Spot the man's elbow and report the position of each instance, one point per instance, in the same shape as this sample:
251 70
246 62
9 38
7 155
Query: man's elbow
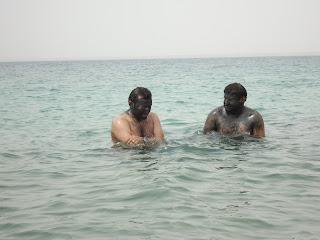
259 133
206 130
161 137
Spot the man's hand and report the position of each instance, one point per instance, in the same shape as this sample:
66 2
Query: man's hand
134 140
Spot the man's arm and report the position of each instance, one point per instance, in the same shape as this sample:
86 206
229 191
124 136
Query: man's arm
258 127
120 131
210 123
158 135
157 129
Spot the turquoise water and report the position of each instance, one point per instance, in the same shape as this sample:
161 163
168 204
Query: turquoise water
60 178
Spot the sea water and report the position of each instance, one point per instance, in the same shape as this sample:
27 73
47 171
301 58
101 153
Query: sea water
60 177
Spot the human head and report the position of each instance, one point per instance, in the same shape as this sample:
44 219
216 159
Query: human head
235 96
140 102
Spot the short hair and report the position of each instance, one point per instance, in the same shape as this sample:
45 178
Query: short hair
237 89
139 91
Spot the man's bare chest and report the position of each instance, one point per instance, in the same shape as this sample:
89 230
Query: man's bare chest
144 129
233 126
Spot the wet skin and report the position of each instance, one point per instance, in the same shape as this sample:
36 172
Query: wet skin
136 124
234 119
140 109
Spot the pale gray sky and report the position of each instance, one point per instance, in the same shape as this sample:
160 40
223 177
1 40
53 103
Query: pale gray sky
108 29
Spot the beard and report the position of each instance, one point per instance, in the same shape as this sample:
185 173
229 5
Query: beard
140 115
233 109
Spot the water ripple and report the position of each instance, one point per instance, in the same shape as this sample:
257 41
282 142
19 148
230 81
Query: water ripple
60 177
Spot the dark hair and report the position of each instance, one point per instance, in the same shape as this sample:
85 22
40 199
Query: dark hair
237 89
139 91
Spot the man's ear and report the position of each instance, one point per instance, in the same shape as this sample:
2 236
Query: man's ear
243 99
130 103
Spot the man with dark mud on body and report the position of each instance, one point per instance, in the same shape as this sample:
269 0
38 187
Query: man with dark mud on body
137 126
233 118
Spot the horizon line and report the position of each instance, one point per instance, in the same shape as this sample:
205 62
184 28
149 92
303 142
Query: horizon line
164 58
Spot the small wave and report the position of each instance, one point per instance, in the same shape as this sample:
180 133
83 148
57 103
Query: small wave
8 209
189 178
252 222
10 155
174 122
290 176
148 195
56 156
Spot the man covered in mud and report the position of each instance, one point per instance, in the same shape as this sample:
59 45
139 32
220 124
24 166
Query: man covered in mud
137 126
233 118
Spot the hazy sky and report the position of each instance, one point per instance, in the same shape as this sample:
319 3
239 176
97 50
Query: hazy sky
107 29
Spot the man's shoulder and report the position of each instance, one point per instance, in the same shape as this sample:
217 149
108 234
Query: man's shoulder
252 113
120 119
153 116
216 112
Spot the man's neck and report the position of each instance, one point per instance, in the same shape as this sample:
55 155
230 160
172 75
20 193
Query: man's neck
237 112
133 117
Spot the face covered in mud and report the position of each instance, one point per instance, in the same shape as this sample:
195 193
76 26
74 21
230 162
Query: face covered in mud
233 103
141 108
